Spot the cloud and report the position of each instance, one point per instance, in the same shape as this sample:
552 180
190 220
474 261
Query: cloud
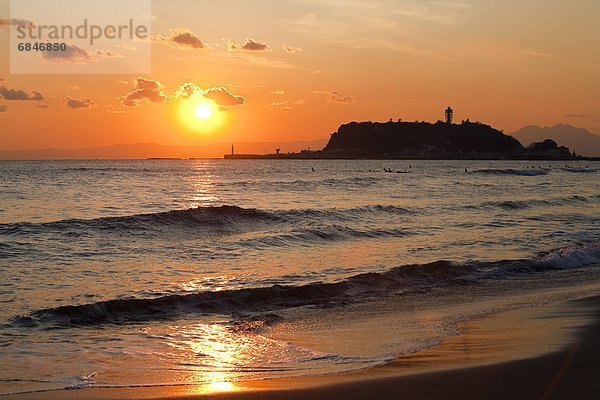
285 104
282 105
223 98
539 53
73 53
576 115
220 95
3 108
79 104
181 38
249 45
126 46
17 94
110 108
291 49
78 55
278 92
2 80
43 106
144 90
331 96
187 90
16 22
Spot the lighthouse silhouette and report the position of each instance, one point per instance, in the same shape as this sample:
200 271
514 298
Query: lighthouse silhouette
449 115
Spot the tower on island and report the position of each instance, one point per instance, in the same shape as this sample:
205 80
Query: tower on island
449 115
232 149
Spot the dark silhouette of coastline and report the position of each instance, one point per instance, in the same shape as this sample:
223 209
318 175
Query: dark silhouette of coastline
424 140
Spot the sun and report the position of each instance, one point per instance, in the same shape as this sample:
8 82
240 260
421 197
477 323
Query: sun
203 111
199 114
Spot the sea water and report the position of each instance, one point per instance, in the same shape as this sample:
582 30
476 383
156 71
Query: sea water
167 272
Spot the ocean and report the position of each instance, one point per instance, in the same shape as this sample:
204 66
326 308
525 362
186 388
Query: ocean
129 273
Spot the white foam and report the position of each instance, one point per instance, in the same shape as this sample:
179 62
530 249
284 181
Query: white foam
82 382
573 257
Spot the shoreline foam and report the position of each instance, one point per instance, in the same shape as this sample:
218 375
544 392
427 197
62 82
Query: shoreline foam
542 352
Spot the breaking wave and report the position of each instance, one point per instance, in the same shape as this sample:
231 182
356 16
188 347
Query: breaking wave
226 216
580 169
512 171
530 203
403 279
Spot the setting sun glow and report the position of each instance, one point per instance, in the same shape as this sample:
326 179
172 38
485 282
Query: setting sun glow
199 114
203 111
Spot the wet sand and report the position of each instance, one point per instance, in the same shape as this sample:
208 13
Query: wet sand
471 365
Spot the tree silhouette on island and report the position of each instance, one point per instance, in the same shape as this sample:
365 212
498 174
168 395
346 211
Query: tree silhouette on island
440 140
424 140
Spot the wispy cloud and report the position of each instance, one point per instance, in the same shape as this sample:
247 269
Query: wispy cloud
396 26
331 96
291 49
254 59
279 103
75 54
6 22
582 116
539 53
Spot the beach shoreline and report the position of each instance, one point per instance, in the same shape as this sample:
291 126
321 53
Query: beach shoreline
479 362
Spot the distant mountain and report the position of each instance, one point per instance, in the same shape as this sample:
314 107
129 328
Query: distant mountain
582 141
153 150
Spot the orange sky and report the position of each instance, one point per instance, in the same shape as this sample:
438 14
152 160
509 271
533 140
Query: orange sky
507 63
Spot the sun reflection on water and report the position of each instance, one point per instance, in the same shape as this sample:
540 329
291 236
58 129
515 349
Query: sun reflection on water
215 356
210 283
222 386
201 189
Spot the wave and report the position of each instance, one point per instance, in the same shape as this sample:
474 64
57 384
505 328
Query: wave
306 184
240 302
342 214
530 203
308 236
579 169
106 169
223 217
572 257
512 171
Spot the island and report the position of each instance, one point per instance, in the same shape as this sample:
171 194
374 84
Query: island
424 140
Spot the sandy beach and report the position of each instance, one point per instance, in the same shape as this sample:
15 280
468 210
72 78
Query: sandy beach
495 357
